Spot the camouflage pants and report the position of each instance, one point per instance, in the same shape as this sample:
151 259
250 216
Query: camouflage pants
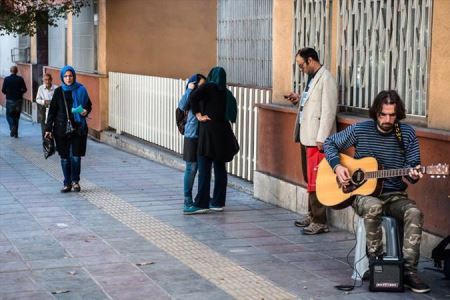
404 210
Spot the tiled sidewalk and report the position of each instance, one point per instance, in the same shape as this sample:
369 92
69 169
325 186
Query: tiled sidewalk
125 237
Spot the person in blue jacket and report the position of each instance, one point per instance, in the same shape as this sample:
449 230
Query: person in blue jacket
190 138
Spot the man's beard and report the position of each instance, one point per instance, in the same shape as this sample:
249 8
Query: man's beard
386 127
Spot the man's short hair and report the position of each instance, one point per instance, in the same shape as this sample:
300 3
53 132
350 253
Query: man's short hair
306 53
48 75
13 69
387 97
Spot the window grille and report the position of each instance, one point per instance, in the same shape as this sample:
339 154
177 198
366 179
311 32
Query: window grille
384 44
244 45
312 29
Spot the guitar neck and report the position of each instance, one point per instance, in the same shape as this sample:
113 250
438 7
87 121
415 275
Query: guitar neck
391 173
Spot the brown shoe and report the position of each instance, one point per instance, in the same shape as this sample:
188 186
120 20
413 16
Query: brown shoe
304 222
315 228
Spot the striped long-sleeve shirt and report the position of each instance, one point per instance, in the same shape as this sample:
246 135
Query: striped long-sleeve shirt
368 141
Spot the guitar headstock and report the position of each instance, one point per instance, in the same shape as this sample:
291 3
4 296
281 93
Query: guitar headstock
437 171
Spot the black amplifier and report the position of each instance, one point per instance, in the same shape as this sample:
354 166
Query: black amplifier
386 275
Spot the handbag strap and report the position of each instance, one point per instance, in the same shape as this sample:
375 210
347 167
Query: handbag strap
65 104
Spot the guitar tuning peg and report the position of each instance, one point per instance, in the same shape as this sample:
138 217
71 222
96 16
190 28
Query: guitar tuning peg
432 176
438 176
443 176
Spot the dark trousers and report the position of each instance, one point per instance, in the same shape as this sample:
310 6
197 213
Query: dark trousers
71 168
204 183
316 210
12 116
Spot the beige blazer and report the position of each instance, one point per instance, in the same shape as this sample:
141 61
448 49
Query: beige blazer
319 111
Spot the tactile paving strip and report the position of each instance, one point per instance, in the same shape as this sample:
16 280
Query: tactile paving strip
223 272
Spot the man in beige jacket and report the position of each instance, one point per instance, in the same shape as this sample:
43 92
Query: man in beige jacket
316 120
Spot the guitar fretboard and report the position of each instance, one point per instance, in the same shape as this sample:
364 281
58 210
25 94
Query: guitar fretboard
391 173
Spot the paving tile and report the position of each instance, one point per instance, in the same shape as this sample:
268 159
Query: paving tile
34 295
257 236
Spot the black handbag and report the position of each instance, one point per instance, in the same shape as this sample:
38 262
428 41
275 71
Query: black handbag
48 146
69 128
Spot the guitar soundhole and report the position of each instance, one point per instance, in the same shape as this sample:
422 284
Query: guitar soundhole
358 177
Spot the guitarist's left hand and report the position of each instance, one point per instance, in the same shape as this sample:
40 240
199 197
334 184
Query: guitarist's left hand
415 173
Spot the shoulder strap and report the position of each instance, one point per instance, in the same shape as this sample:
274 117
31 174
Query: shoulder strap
65 105
398 135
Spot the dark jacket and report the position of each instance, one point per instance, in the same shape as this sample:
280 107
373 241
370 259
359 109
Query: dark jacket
14 87
57 117
216 139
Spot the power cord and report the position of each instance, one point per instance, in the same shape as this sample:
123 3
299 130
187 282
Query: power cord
348 288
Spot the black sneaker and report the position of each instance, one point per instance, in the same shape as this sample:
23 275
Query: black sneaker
76 187
415 284
66 189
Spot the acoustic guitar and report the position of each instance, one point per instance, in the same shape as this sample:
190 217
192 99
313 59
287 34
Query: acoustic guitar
364 175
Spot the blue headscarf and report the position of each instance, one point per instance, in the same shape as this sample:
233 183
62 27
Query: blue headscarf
79 93
195 79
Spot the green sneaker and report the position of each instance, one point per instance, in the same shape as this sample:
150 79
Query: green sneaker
192 210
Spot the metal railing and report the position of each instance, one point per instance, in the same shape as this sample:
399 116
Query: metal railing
144 106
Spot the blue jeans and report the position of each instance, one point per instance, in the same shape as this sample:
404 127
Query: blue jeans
12 116
71 168
189 178
204 183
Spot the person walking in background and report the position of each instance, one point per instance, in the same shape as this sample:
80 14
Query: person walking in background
13 87
66 122
190 138
216 141
316 120
43 98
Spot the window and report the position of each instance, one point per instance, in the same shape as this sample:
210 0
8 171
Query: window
312 29
384 45
244 44
85 28
57 44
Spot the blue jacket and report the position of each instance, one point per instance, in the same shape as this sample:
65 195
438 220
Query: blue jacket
191 127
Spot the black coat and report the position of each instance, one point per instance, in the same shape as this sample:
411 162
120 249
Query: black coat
57 122
14 87
216 138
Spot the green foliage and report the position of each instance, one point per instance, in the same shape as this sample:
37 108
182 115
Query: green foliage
23 17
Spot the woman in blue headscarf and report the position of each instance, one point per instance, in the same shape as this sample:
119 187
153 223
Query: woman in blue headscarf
66 122
190 138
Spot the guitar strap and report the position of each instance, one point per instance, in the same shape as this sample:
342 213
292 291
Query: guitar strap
398 135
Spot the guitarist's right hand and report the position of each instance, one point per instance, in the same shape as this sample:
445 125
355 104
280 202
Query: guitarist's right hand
342 174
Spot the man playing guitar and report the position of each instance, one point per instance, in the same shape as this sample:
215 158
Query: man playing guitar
394 146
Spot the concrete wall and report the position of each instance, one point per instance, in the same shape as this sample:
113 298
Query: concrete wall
283 39
439 93
168 38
